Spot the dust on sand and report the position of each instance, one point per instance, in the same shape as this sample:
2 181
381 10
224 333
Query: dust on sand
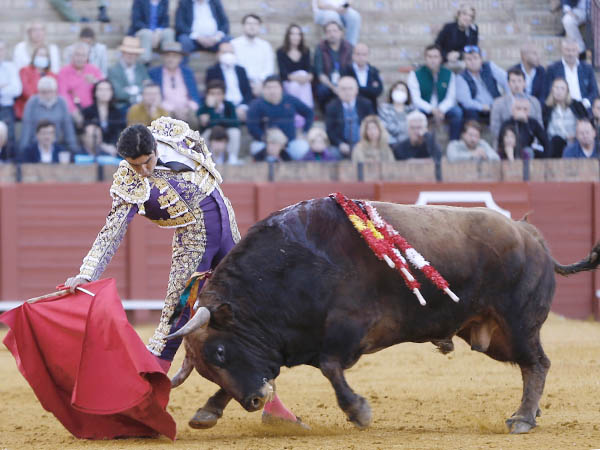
419 398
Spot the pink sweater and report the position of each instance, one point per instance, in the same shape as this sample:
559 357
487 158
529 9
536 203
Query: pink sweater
73 85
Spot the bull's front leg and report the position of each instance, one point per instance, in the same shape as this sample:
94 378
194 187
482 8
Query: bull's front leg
357 409
211 412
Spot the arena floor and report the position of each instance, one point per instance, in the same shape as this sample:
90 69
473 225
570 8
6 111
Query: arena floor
420 399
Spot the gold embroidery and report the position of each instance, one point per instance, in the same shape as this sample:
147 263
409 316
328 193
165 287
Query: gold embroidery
167 199
177 209
130 186
186 219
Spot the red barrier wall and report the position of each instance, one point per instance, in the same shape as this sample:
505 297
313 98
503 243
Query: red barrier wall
46 229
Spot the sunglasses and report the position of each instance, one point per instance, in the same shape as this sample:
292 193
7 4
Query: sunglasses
472 49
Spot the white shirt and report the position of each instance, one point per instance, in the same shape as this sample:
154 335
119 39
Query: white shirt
256 56
415 94
10 75
166 153
233 93
23 53
204 24
572 78
334 3
361 74
45 156
528 78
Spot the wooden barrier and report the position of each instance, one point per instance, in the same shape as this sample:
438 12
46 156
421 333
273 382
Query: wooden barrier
46 229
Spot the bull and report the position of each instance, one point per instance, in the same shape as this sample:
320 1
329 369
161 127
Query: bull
303 287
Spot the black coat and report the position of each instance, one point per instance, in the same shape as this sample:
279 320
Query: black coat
334 118
374 86
452 38
577 107
537 85
216 73
116 122
140 15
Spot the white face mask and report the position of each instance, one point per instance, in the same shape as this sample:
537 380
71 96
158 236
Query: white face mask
227 59
399 96
41 62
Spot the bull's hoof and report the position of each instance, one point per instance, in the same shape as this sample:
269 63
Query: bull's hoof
204 419
270 419
519 425
445 346
360 413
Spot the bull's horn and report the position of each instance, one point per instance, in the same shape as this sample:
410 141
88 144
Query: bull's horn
199 320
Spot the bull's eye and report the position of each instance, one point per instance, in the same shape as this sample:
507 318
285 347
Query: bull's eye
220 354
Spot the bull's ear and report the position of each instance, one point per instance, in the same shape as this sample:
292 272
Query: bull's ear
221 316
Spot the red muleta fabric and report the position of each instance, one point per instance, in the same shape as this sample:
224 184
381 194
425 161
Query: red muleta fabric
88 366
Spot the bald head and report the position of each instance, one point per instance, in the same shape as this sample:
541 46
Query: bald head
347 89
530 55
570 51
360 55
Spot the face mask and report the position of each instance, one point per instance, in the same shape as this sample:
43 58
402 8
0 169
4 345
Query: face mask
399 96
227 59
41 62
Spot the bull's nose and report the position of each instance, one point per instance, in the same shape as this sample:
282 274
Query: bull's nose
254 403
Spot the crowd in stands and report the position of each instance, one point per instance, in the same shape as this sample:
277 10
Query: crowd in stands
297 104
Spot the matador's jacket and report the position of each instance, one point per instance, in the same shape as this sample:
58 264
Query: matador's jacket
171 200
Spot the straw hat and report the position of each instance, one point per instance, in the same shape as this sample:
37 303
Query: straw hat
131 44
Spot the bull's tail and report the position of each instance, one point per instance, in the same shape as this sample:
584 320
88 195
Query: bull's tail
590 263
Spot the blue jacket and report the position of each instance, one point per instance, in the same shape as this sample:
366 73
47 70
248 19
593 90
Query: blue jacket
374 87
537 85
216 73
585 72
334 118
184 16
263 115
488 79
156 75
140 15
31 154
574 151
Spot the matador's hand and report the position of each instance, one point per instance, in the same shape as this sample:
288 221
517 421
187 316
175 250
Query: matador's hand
73 282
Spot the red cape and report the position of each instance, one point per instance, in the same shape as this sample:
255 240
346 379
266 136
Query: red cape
88 366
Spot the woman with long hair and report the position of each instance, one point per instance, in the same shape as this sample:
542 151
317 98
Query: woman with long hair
393 113
295 70
373 145
105 114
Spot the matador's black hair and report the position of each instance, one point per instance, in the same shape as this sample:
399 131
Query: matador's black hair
135 141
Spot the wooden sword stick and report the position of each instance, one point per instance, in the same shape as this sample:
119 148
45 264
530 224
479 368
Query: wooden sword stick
58 293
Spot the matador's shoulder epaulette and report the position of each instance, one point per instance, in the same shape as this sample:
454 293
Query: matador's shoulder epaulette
130 186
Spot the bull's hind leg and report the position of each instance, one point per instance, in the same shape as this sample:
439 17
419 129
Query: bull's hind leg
534 378
357 409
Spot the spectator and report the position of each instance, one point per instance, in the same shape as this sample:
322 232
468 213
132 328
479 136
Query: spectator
507 143
253 53
420 144
105 115
471 147
10 89
433 90
585 145
201 25
128 74
373 145
178 85
274 149
150 23
36 37
295 69
574 14
48 105
97 55
237 86
277 110
596 114
149 108
67 12
93 143
344 116
341 12
331 55
393 114
3 142
76 81
479 85
534 72
530 136
218 141
579 75
218 112
319 148
457 35
370 85
501 108
30 76
44 149
561 113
